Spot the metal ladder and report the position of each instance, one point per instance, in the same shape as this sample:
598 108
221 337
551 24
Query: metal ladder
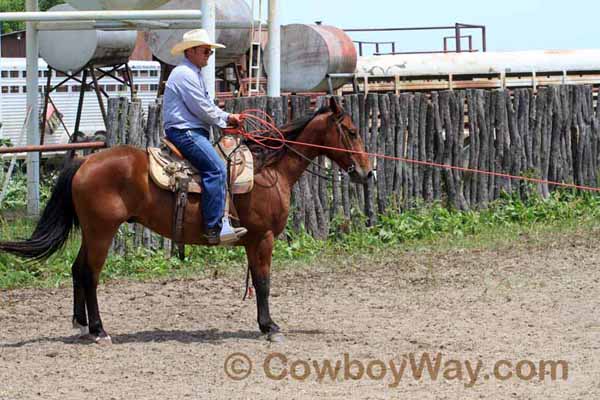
255 68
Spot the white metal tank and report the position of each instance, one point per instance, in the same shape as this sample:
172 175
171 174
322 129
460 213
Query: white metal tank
85 5
72 50
236 40
510 62
310 52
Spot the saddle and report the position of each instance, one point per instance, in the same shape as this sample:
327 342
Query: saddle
167 166
171 171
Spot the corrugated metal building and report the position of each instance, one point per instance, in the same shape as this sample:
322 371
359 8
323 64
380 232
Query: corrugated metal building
13 97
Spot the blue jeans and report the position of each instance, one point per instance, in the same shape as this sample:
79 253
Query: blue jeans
195 146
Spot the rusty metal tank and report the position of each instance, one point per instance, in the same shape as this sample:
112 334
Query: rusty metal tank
72 50
88 5
310 52
236 40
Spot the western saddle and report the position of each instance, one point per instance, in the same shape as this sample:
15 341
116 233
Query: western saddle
171 171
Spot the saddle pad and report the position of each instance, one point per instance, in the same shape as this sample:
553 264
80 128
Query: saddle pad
165 168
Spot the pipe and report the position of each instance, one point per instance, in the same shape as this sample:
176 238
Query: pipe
209 12
417 28
52 147
101 15
33 128
342 75
127 25
274 49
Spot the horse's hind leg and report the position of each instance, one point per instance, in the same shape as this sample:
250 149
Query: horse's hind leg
79 313
97 245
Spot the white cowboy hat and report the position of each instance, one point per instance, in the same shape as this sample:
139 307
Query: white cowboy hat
197 37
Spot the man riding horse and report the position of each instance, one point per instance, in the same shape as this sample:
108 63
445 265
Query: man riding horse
99 192
188 115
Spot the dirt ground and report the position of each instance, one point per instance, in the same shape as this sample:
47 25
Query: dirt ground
522 302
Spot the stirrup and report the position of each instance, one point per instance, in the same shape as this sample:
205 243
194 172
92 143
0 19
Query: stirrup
230 234
226 236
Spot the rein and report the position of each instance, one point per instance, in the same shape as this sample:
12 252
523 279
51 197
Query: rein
260 126
327 178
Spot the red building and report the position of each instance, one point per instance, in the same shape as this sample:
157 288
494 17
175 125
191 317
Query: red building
13 44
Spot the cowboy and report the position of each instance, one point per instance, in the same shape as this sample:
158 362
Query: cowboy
188 114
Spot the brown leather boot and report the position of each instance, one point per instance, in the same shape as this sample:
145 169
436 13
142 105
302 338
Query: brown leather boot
215 236
212 235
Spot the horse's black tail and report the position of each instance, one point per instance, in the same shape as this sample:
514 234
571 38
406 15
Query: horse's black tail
57 221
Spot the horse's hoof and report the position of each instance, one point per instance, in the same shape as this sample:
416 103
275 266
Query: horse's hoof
103 340
84 330
276 337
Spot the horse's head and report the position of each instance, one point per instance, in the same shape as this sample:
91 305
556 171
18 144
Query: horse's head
341 133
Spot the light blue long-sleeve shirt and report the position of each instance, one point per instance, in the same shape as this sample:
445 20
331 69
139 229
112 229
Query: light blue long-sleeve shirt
186 102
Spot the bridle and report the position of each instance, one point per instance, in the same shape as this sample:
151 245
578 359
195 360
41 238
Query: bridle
347 145
345 140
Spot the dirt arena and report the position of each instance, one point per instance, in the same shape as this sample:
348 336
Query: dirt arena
523 303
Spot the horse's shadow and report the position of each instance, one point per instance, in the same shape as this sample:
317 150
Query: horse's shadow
210 336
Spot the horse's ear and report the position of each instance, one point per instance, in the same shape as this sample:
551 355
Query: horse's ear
334 106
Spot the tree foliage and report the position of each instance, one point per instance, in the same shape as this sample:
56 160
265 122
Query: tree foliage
19 5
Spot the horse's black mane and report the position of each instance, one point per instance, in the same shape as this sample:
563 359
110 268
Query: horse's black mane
264 156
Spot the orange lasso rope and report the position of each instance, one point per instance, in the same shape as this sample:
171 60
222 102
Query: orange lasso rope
260 126
260 123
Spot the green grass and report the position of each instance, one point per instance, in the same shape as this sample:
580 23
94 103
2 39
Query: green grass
507 222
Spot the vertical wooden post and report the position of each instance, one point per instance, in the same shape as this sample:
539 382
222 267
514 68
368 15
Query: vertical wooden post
382 134
372 113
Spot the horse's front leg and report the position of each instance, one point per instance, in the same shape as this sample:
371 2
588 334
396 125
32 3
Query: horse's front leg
259 254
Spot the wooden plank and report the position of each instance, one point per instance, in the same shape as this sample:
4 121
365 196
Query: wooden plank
502 137
487 140
587 93
390 165
395 149
123 120
537 116
410 139
359 115
445 105
438 140
474 140
344 189
112 119
555 165
403 144
420 148
458 118
274 108
429 155
297 202
151 126
545 137
317 189
517 151
372 112
384 120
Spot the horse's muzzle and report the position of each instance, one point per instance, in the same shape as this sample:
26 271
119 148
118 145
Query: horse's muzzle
360 177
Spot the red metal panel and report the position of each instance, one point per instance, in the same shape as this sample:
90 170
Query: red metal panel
13 44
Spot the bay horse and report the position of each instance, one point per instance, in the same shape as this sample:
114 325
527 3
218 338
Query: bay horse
103 190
